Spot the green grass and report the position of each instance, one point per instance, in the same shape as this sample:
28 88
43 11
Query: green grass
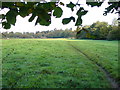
48 63
102 52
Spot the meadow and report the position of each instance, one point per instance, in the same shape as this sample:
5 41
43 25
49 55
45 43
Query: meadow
59 63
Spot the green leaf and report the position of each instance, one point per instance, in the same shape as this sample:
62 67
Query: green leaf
78 22
19 4
44 18
71 5
48 6
11 17
81 12
72 18
32 17
37 21
67 20
6 25
7 4
45 22
57 12
94 4
61 3
84 12
42 21
23 11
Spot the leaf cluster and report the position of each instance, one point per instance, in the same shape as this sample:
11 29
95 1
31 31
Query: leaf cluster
42 12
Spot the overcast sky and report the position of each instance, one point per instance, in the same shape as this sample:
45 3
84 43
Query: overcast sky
94 14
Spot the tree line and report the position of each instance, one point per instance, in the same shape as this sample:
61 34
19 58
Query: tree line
100 31
67 33
96 31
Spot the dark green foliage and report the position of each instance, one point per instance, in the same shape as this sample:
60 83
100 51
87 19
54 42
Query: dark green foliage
32 17
71 5
57 12
44 11
7 5
92 4
82 35
68 33
72 18
99 31
80 13
113 6
114 34
67 20
41 10
79 21
6 25
23 11
45 21
61 3
11 16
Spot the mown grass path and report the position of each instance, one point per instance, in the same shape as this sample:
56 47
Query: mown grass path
45 63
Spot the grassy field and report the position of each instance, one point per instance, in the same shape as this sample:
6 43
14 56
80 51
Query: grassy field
55 63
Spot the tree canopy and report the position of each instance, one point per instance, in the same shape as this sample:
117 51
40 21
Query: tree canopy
44 10
99 31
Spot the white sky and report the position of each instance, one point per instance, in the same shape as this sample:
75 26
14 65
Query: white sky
94 14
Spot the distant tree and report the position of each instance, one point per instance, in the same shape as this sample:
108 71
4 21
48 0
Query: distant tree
99 30
81 32
37 32
114 34
11 34
17 35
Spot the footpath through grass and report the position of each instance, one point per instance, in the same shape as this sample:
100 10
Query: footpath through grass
104 53
34 63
